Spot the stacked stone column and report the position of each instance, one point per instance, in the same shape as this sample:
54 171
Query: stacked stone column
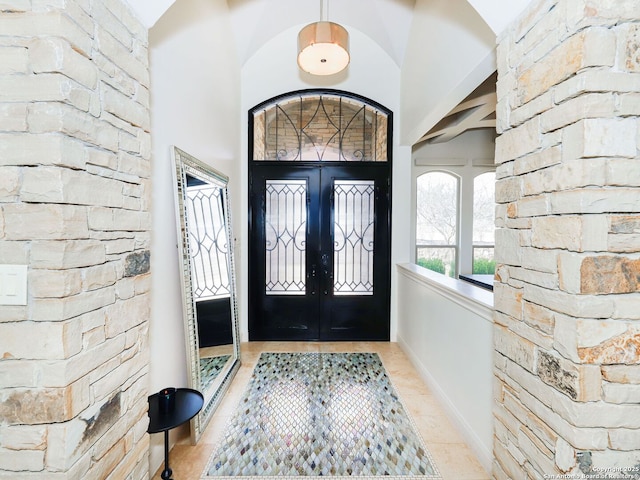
567 300
74 208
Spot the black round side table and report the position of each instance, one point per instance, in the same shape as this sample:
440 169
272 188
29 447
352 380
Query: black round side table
184 406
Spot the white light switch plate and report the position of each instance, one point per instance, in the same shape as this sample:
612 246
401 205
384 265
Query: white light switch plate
13 284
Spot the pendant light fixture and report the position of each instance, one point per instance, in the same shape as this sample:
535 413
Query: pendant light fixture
323 47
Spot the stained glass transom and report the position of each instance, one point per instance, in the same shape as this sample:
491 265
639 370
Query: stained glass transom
320 128
285 236
353 242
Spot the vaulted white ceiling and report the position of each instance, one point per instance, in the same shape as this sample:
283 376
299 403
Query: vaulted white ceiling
386 21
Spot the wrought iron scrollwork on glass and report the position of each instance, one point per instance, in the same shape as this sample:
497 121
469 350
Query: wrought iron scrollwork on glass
353 237
285 236
320 127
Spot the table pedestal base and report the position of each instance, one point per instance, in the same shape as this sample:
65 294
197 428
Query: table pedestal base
167 472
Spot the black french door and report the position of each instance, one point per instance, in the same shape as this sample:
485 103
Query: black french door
319 255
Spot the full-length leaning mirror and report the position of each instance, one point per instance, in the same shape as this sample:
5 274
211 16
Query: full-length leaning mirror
208 284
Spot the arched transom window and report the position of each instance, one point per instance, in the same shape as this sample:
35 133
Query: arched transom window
313 126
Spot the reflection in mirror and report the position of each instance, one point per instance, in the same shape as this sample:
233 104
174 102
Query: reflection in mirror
211 327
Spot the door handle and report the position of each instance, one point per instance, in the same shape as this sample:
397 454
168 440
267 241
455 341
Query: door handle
312 275
328 280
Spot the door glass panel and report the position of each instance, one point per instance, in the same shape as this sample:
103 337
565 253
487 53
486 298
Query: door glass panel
207 241
285 236
353 229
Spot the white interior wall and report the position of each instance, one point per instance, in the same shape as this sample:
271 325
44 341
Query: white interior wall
454 357
461 378
195 106
273 70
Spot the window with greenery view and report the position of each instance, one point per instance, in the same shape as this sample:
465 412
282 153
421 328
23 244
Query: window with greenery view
483 223
455 212
437 222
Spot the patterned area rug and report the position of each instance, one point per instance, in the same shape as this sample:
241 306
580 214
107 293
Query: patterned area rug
308 414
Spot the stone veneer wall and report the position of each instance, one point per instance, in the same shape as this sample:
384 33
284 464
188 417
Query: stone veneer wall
74 207
567 329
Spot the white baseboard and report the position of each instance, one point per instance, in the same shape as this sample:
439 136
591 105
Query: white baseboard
485 456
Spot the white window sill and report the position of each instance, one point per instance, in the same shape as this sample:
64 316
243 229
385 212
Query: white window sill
472 297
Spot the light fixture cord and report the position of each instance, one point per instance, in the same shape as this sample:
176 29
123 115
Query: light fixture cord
324 8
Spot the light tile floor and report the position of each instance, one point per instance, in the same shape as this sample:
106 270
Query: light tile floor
452 456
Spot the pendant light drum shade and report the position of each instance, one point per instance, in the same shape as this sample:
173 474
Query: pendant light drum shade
323 48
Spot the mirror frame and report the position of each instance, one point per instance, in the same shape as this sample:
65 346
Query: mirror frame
184 164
